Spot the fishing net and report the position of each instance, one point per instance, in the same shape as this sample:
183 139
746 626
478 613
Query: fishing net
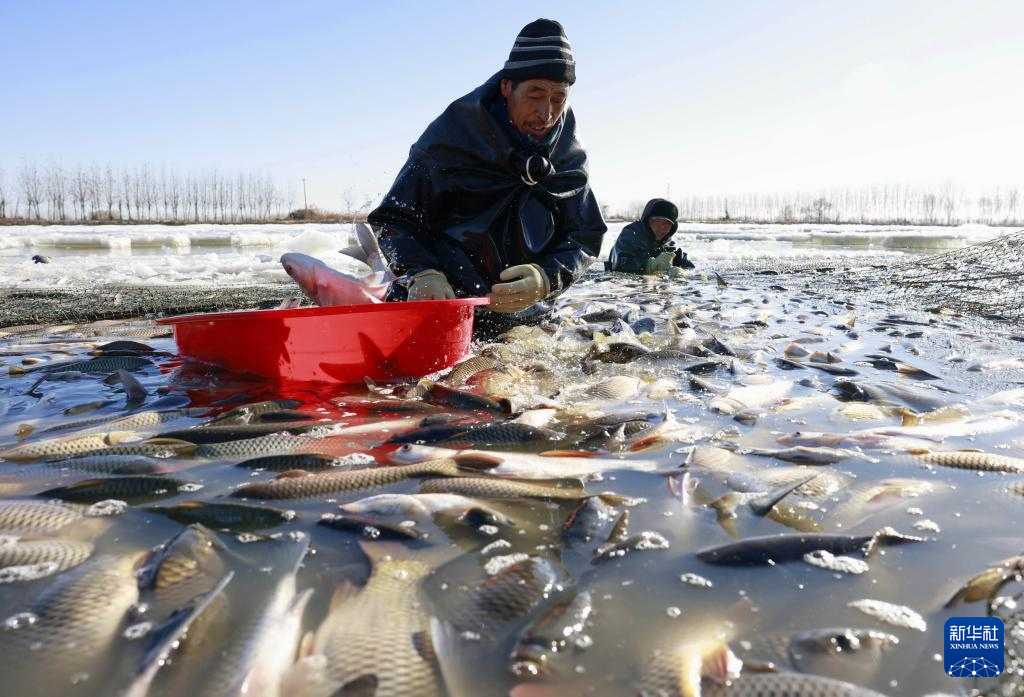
982 280
78 305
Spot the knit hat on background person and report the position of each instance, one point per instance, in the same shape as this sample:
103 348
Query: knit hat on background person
541 52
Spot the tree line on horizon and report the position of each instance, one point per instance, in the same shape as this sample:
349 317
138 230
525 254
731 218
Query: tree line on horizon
142 194
94 194
884 204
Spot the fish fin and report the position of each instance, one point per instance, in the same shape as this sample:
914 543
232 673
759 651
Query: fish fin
728 524
475 516
371 248
115 437
620 530
908 417
361 525
343 592
363 686
300 601
356 252
710 659
306 645
164 441
757 666
135 393
554 483
889 536
308 675
424 647
374 388
981 587
476 461
570 453
293 474
763 504
168 636
453 657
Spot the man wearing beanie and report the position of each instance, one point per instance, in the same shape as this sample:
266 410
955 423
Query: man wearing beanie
645 246
494 199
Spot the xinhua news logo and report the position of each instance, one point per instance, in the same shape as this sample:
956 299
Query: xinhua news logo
974 647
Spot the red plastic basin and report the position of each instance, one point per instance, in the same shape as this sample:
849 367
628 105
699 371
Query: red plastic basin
332 344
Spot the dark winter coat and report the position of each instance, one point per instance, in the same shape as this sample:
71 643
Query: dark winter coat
637 244
462 204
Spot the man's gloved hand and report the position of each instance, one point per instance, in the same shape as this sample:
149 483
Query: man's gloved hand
675 272
660 263
528 286
430 285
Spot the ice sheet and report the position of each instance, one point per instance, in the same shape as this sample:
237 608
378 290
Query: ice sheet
220 254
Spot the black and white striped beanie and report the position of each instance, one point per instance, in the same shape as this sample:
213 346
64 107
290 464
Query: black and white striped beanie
541 52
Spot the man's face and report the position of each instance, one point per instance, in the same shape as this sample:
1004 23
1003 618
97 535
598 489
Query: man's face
535 105
660 227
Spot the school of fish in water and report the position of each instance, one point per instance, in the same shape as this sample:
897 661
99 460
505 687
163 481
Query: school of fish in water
710 487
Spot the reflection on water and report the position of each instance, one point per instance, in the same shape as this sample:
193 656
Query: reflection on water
674 418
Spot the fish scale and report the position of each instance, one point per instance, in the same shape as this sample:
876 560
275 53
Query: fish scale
498 488
133 422
232 516
982 462
76 618
37 517
262 446
57 448
109 464
298 487
470 367
374 633
503 435
101 365
260 640
188 564
129 488
62 554
283 463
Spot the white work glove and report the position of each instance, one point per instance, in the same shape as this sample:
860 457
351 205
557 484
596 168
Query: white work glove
675 272
430 285
660 263
529 285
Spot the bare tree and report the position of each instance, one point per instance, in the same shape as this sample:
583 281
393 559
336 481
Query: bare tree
1012 198
109 188
56 192
125 195
151 193
175 194
3 197
80 191
94 184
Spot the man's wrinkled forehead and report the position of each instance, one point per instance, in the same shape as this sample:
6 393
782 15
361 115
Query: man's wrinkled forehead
541 87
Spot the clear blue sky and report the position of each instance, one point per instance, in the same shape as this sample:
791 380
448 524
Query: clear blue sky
715 97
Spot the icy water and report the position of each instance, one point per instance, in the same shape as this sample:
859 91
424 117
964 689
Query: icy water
567 533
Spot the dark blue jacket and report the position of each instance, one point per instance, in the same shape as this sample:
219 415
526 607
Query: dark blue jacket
637 244
464 203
